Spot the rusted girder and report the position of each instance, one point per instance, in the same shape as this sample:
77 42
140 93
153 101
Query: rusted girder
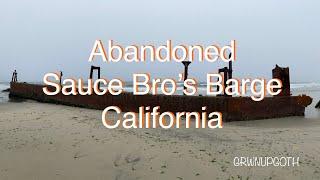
284 75
227 73
14 76
304 100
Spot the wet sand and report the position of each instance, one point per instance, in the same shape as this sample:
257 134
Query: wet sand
45 141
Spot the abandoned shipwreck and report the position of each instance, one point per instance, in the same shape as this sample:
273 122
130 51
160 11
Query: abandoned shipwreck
232 108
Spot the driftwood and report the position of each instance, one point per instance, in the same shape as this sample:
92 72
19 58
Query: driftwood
318 105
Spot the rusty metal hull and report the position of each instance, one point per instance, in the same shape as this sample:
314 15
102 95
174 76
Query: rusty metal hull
232 108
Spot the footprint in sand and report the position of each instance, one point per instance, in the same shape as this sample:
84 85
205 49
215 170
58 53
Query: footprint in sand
128 160
77 155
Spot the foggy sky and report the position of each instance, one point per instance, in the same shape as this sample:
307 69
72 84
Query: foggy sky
39 36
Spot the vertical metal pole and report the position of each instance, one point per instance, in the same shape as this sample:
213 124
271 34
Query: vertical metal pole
225 78
230 70
99 77
12 78
61 74
186 65
91 72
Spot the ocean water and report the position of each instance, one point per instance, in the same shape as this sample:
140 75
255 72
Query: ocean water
4 96
310 89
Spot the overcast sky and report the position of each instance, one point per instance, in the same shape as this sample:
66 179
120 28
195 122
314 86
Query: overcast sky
39 36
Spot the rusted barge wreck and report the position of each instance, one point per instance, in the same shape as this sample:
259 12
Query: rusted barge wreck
232 108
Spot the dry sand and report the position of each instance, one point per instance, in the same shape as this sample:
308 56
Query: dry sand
44 141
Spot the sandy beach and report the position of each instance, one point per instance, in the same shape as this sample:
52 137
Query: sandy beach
45 141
